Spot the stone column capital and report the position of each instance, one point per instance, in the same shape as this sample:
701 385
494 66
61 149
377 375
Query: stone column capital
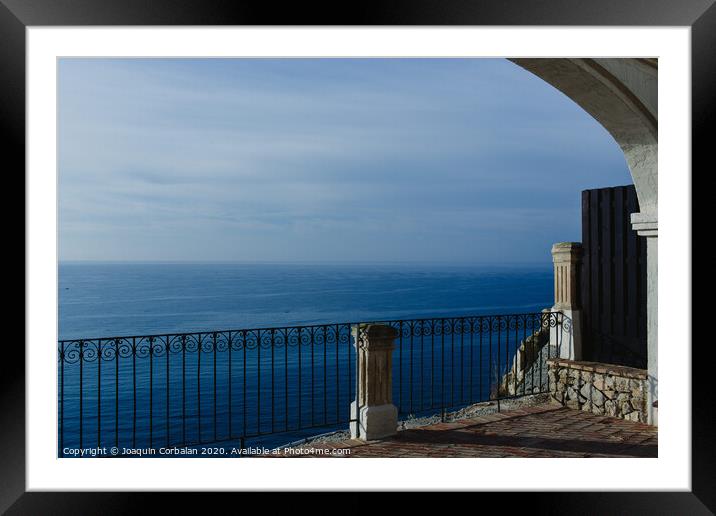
645 224
569 252
375 337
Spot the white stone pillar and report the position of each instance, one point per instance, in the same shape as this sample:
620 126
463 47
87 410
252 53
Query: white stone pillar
374 414
646 225
567 336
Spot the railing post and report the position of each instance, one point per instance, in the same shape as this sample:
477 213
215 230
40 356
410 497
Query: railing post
567 336
373 414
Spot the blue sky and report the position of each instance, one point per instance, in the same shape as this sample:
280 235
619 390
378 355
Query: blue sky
332 160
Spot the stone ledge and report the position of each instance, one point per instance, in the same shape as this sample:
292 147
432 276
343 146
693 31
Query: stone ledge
600 368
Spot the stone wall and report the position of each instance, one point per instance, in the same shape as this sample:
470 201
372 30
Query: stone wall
602 389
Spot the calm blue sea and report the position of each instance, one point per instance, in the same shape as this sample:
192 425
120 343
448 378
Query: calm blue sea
102 300
209 396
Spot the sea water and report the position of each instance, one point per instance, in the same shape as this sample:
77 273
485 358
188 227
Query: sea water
134 299
104 300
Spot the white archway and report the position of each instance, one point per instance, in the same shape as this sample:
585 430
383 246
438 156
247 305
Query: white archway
622 94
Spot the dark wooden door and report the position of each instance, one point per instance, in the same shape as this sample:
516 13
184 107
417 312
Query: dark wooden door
613 278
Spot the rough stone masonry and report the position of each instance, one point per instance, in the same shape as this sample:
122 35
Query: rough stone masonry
602 389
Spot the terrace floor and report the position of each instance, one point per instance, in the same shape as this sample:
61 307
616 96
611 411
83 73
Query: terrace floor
545 430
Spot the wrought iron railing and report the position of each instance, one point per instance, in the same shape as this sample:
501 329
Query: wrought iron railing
441 364
144 392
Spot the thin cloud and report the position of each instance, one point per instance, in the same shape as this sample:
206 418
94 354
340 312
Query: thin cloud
272 159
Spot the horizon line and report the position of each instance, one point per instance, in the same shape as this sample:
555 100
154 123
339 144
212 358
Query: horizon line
309 262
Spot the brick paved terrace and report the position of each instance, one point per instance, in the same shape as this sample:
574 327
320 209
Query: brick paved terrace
546 430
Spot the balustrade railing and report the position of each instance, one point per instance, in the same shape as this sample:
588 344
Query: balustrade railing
145 392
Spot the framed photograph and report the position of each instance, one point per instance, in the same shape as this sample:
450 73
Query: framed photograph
417 240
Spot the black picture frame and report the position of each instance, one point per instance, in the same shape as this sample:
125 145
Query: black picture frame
17 15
